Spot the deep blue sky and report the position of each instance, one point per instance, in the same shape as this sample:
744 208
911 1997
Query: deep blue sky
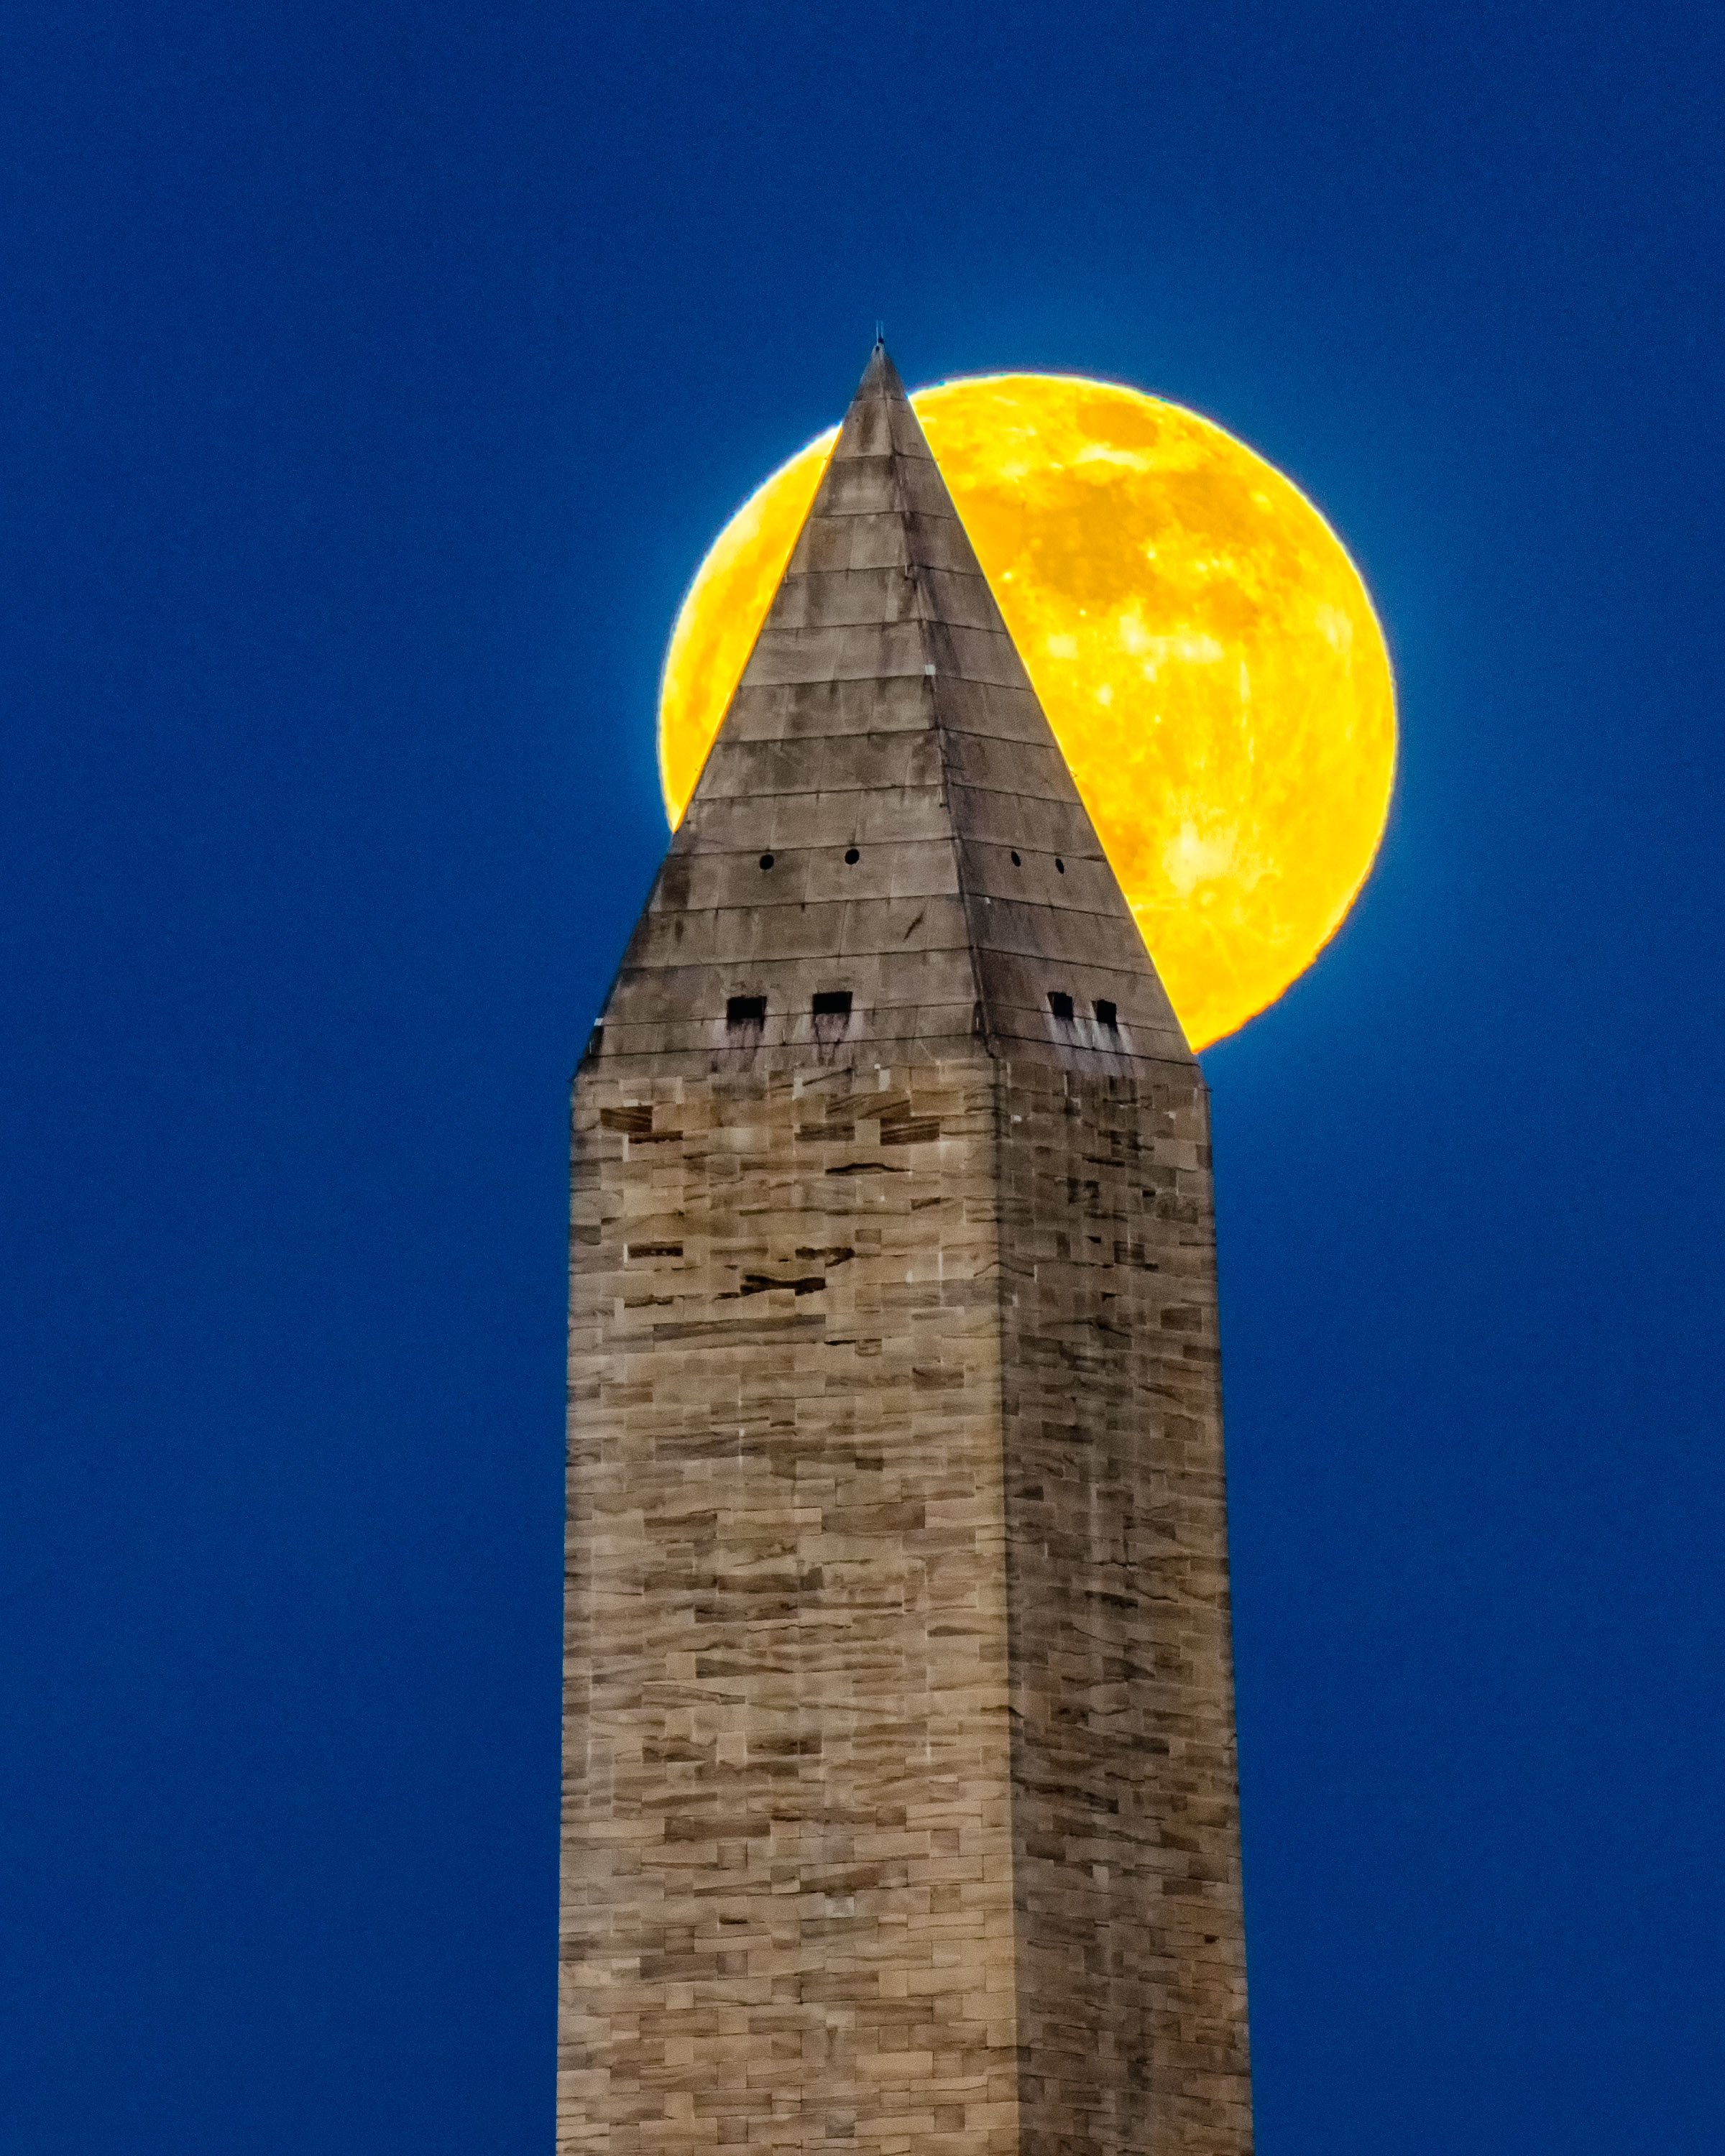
373 377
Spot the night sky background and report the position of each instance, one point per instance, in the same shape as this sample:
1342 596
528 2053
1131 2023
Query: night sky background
373 377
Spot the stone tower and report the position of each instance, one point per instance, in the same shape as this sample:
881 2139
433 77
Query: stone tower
900 1806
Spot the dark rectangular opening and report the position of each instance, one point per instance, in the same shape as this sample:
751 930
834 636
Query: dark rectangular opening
746 1010
833 1003
1060 1002
1106 1014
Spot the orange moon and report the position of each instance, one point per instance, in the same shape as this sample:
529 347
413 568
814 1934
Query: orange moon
1204 650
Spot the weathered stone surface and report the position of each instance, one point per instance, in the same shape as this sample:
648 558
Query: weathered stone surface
900 1789
1132 1990
788 1900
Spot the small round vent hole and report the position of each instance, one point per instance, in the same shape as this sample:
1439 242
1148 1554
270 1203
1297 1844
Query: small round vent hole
851 857
766 860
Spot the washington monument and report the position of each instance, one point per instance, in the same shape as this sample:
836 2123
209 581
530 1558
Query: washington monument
899 1805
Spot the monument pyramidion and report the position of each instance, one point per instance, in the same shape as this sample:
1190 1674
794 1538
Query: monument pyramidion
899 1802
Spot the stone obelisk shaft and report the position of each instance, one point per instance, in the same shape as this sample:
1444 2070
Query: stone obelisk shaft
900 1789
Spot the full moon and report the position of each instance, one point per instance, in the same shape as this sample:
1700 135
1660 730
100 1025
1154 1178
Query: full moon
1204 650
